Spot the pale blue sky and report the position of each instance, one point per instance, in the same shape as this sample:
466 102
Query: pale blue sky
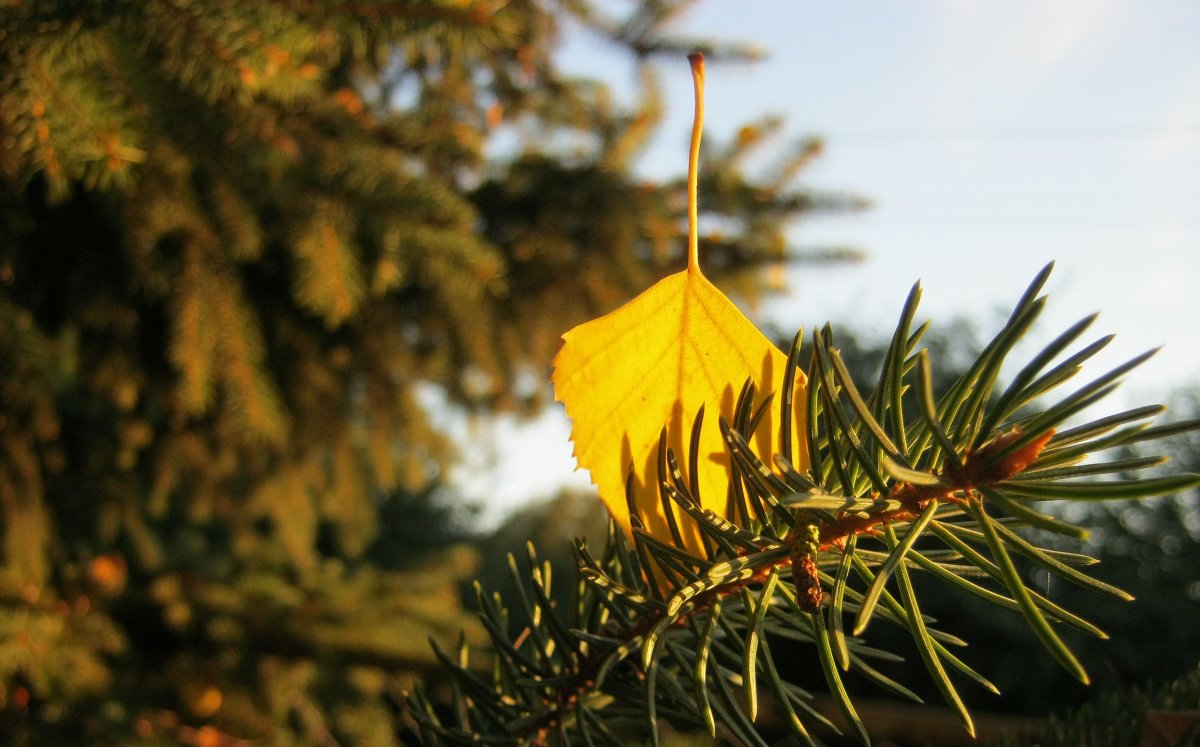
991 138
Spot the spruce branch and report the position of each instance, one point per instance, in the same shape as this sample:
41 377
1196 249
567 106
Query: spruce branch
901 482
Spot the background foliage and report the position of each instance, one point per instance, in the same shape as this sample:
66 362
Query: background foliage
242 246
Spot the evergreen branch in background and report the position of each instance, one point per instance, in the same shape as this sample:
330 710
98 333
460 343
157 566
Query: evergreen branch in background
903 482
1162 713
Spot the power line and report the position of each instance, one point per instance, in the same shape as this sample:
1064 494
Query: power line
1031 133
1186 224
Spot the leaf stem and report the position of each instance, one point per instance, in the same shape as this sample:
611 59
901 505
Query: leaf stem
697 61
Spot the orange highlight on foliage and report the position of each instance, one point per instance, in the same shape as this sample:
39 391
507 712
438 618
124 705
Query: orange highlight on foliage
1011 464
348 100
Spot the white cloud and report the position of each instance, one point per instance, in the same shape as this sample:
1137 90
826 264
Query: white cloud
991 45
1052 34
1178 122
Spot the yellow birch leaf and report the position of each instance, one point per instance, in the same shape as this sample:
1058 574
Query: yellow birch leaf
655 361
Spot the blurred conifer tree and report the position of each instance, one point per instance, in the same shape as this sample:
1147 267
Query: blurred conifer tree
238 241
